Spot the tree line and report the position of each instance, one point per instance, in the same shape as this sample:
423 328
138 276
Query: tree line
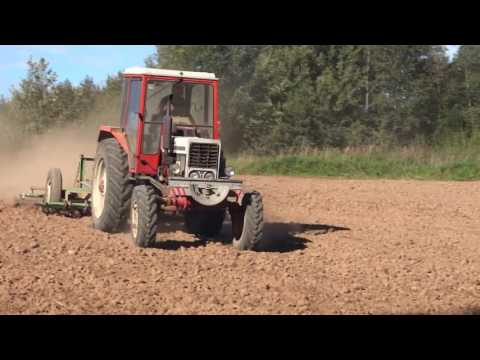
275 97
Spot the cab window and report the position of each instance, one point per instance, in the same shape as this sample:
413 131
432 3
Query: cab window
132 113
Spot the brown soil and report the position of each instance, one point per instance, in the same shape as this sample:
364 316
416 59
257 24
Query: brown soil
340 247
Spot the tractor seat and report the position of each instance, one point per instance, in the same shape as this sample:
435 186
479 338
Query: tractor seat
181 126
185 131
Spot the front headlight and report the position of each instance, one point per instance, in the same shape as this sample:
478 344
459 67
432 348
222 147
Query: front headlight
229 171
209 176
194 175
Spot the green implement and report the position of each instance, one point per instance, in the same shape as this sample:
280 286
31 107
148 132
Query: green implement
53 198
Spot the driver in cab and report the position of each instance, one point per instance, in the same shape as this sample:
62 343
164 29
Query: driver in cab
179 111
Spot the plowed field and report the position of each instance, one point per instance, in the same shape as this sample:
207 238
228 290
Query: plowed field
337 247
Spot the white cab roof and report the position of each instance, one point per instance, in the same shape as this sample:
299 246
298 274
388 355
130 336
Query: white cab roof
172 73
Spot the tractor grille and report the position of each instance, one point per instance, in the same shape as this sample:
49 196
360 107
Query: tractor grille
203 156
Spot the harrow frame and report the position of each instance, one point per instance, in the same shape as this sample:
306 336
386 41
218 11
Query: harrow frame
75 199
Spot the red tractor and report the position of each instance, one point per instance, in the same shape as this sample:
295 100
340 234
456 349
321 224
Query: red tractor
166 154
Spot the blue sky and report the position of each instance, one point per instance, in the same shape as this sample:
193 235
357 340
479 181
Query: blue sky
452 50
74 62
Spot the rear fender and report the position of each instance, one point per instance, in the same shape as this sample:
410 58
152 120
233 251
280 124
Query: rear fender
116 133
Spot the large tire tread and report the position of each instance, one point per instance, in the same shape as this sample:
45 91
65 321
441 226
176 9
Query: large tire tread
117 200
147 201
251 237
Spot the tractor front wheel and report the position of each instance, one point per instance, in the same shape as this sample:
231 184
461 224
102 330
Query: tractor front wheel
111 189
144 216
247 223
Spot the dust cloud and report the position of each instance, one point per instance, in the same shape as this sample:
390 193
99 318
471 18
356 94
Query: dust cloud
28 165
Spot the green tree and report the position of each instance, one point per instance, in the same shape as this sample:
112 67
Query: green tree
279 96
113 85
309 95
275 97
281 88
465 87
87 94
108 102
406 84
64 107
32 101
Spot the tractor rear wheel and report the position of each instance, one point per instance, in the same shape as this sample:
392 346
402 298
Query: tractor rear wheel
144 216
247 223
53 186
206 223
111 189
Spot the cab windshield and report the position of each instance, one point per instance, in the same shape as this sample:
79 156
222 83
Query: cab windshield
191 108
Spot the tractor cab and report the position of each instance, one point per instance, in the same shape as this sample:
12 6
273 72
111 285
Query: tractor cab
163 112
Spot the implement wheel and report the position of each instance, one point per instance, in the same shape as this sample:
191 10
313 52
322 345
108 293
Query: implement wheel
53 186
111 189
